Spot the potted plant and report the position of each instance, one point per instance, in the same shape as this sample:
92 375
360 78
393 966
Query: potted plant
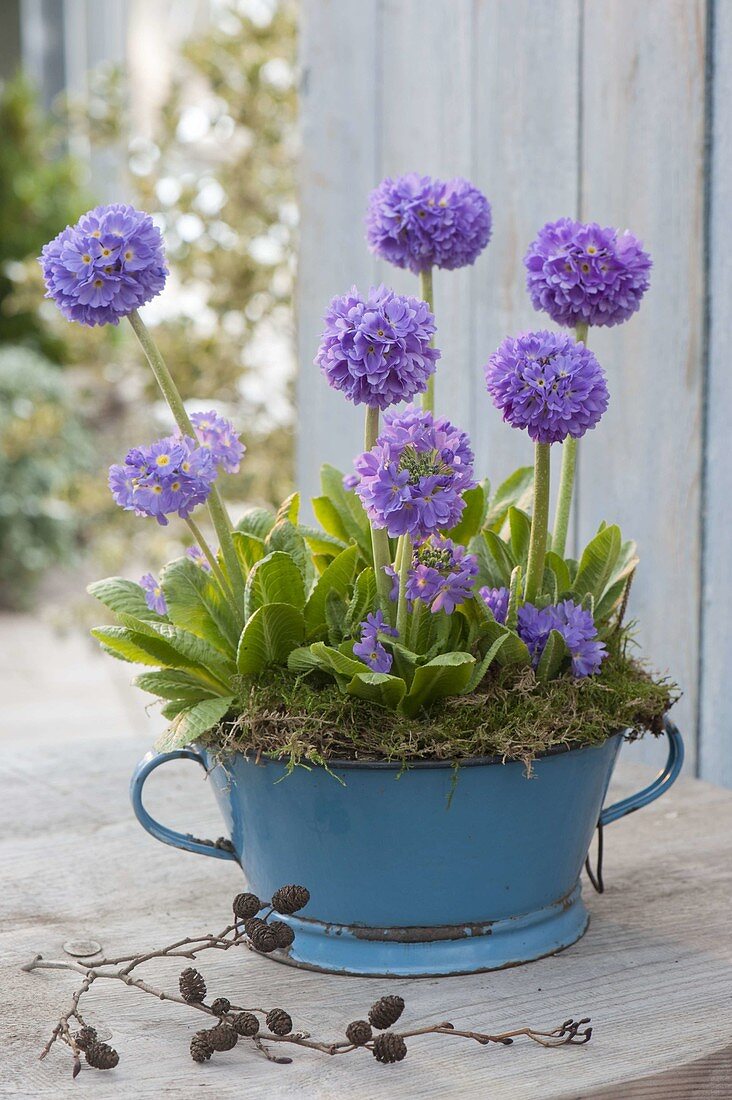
415 707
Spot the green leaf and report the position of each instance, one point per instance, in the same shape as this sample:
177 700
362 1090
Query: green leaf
501 553
446 674
337 661
514 597
285 537
257 521
363 599
597 563
196 603
335 616
125 597
152 649
517 491
488 572
472 518
194 721
558 567
171 684
348 506
249 548
273 631
274 579
520 527
513 651
329 517
321 543
302 660
336 578
553 656
379 688
289 510
480 670
611 597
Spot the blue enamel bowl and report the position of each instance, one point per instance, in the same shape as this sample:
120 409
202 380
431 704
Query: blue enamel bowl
429 870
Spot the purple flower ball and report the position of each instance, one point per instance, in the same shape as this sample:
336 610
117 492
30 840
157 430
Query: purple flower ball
172 475
370 649
548 384
376 349
496 600
413 479
584 274
419 222
222 439
106 266
154 597
442 575
576 626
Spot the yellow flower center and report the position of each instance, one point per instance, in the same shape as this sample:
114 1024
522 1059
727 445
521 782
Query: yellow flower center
163 460
86 258
96 233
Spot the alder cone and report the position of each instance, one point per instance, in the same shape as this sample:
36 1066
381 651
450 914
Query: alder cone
283 934
288 899
220 1006
246 906
386 1011
192 986
359 1033
279 1022
222 1037
245 1023
101 1056
389 1047
201 1049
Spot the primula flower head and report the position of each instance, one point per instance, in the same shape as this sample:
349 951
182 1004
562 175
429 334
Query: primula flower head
154 597
583 274
220 436
376 348
442 574
419 222
106 266
576 626
548 384
370 649
172 475
413 479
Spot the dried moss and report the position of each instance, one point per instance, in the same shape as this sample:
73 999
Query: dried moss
303 720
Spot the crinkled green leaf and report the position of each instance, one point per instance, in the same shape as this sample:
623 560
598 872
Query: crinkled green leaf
472 518
319 542
175 685
517 491
363 599
125 597
268 638
257 521
378 687
197 604
597 563
502 556
289 510
520 527
348 506
193 721
481 668
446 674
274 579
338 577
285 537
553 657
249 548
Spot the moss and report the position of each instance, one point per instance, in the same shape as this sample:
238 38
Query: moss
304 721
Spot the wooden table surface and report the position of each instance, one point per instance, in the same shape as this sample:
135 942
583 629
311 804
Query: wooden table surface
654 970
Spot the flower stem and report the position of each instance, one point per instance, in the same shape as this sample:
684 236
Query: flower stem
210 557
426 292
404 556
539 522
219 515
379 537
566 478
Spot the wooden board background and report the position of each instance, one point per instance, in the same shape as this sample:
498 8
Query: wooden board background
618 113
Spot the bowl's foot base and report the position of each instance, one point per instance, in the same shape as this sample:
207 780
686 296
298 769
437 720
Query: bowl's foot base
436 951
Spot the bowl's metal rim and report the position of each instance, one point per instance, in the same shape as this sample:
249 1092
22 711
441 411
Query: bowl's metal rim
336 765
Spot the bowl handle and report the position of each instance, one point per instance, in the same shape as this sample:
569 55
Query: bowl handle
162 833
660 784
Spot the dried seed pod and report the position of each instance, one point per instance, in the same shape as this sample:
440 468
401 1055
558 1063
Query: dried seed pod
279 1022
201 1049
282 932
359 1033
386 1011
85 1037
101 1056
288 899
192 986
246 906
261 936
220 1006
245 1023
222 1037
389 1047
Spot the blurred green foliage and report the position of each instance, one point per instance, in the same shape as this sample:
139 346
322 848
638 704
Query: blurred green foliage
43 449
40 193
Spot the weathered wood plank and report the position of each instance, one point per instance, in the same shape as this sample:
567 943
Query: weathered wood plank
642 167
526 110
338 165
715 756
